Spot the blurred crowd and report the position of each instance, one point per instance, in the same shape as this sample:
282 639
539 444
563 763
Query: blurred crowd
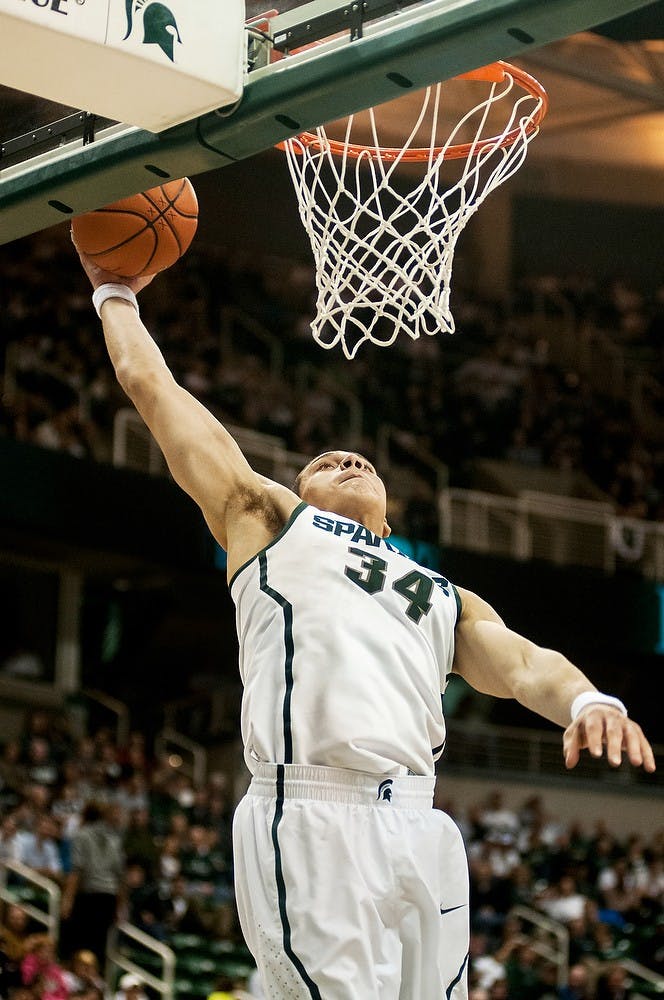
499 388
123 835
127 836
608 892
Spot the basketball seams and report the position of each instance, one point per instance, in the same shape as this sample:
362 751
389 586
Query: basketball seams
163 213
122 239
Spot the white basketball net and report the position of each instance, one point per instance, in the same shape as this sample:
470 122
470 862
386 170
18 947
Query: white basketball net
384 257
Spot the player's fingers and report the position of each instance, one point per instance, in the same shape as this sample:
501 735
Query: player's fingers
572 746
592 726
638 748
615 737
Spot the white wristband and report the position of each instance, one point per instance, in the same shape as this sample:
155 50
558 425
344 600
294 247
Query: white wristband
111 290
594 698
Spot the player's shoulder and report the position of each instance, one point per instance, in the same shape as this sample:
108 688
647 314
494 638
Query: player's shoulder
474 608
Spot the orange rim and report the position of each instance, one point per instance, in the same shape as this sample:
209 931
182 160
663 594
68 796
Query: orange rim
493 73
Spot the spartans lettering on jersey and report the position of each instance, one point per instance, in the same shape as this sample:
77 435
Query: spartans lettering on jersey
354 532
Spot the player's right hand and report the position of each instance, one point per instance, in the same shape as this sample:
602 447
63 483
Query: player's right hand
98 276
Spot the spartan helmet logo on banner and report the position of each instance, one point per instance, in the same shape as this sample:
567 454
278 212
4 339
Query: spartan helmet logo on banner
159 25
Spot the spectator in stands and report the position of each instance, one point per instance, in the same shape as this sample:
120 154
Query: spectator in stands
609 944
92 888
146 908
613 985
139 840
83 974
223 989
15 931
618 892
523 975
484 968
41 766
64 430
134 757
12 769
38 849
131 987
240 988
9 838
651 946
499 990
521 885
489 896
563 902
67 809
132 793
202 866
581 940
502 854
169 863
496 817
185 911
578 986
41 971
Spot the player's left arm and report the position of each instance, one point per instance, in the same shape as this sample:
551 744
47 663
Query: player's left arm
499 662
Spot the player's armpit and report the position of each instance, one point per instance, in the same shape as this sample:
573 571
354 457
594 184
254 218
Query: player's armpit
602 729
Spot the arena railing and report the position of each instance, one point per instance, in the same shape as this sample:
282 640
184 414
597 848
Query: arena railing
639 975
50 918
533 525
390 438
135 448
550 939
117 709
237 327
547 937
479 748
562 530
117 957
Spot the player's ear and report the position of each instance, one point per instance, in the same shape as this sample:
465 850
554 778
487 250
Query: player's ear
387 531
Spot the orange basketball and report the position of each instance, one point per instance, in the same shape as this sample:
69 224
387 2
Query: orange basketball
143 234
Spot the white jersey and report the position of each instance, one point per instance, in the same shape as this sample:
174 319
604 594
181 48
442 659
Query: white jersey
345 647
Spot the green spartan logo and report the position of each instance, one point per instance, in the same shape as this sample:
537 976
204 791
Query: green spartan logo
157 20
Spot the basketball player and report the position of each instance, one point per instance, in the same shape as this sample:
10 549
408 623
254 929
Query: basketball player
348 883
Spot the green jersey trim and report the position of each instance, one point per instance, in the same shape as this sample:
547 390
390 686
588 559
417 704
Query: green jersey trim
296 513
459 606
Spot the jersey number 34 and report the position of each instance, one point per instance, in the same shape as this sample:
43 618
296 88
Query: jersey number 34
415 587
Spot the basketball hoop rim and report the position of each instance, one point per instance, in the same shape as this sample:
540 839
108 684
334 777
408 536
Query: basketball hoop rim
493 73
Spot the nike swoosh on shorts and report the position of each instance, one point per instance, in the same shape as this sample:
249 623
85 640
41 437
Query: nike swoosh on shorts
451 908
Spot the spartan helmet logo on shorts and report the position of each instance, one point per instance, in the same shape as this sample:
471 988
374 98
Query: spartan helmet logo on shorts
385 790
159 25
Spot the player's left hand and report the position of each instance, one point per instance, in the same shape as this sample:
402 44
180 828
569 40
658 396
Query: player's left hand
98 276
599 726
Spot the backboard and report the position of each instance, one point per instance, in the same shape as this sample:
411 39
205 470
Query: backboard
374 50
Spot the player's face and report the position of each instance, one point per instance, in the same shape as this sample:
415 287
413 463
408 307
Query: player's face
346 483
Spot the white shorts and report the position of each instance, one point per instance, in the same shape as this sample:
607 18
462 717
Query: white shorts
351 887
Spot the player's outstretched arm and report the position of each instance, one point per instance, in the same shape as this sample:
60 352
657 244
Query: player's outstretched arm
202 456
499 662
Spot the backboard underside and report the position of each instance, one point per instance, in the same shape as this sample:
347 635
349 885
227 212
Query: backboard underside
372 63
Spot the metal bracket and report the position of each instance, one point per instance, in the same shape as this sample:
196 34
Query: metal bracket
81 125
89 124
47 135
320 19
